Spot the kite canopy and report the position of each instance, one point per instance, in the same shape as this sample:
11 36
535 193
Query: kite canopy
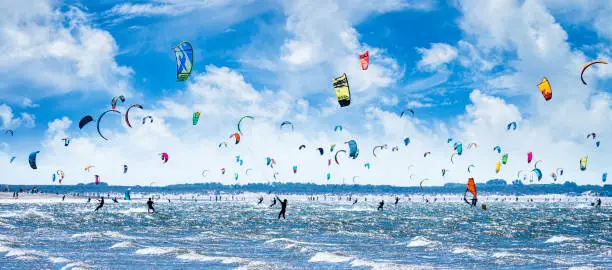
529 157
406 141
164 157
100 120
236 136
505 159
406 112
127 119
97 179
114 101
286 123
144 119
184 60
343 92
497 148
604 176
545 88
32 160
583 163
85 120
364 58
538 173
125 168
511 125
588 65
196 117
353 150
240 121
497 167
338 128
66 141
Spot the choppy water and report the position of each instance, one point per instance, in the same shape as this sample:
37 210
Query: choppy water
211 235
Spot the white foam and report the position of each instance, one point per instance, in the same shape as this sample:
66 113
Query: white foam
329 257
157 250
125 244
421 241
504 254
133 211
76 266
58 260
381 265
559 239
584 267
192 256
467 250
88 235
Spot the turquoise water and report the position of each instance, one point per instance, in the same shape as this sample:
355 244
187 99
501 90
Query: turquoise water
222 235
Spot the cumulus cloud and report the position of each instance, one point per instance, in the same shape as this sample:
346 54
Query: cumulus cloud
437 56
9 121
60 51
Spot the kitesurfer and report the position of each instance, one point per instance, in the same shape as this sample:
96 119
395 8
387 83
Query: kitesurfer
283 207
101 204
88 200
598 205
63 198
396 200
381 204
354 202
150 206
115 200
260 200
273 202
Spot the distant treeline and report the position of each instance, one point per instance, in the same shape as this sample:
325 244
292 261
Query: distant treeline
496 186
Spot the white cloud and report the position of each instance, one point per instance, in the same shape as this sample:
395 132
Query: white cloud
437 56
27 103
58 51
9 121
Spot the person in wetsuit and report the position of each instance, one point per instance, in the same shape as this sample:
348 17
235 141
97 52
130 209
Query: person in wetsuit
354 202
273 202
101 204
381 204
63 198
260 200
598 205
396 200
115 200
88 200
283 207
150 206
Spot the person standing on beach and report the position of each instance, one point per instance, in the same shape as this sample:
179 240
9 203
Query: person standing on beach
150 206
101 204
283 207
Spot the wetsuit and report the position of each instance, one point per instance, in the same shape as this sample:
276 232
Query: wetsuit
115 200
63 198
88 199
598 203
381 205
355 201
150 206
260 200
273 202
474 200
396 200
101 204
283 208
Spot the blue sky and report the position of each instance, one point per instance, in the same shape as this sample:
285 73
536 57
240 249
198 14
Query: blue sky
465 68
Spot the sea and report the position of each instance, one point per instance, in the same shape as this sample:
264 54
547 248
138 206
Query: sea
329 232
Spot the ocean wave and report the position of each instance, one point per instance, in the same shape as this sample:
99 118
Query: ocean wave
329 257
77 266
58 260
421 241
504 254
467 250
125 244
561 238
159 250
192 256
382 265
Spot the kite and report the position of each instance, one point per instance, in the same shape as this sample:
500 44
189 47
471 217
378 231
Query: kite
426 154
367 165
205 172
53 177
597 144
604 176
443 172
592 134
114 101
164 157
497 148
100 120
394 149
247 171
364 58
449 140
222 171
66 141
97 181
505 159
343 92
294 169
85 120
329 162
237 136
459 148
554 176
184 60
88 167
511 124
12 159
421 184
240 121
287 123
583 163
127 112
472 144
125 168
196 117
497 167
588 65
9 132
336 156
538 173
406 141
301 147
470 167
331 148
560 171
353 150
529 157
320 150
328 176
406 111
338 128
32 159
452 156
384 146
545 88
144 119
236 176
535 165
